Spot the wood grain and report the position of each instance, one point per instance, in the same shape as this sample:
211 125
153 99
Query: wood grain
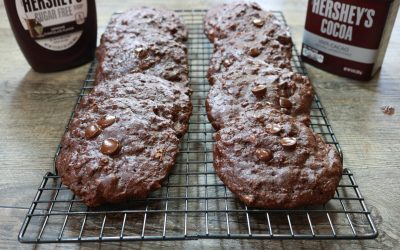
34 109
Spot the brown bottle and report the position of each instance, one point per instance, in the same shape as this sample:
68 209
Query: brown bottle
54 34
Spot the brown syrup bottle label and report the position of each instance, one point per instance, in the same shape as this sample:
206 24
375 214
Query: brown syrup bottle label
54 25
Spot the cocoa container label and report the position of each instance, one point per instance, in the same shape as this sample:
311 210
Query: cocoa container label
344 37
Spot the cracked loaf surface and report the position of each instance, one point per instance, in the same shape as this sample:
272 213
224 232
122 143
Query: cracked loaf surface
265 153
124 136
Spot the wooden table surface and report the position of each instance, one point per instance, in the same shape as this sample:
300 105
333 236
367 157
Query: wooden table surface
34 109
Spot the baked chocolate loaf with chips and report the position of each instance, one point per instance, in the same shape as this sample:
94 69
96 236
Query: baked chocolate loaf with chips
124 136
265 153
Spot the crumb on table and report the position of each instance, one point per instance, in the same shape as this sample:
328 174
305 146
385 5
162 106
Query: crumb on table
388 110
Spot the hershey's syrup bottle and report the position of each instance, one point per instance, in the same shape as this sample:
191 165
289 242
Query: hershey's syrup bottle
54 34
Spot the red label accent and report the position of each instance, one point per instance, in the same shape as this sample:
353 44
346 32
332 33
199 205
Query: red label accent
350 17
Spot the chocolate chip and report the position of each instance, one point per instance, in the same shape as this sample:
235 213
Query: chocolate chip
145 65
285 111
265 40
287 91
142 53
173 30
92 131
255 71
285 103
259 91
258 105
388 110
110 146
275 46
259 118
283 84
227 62
254 52
240 13
271 32
106 121
288 142
159 154
173 75
297 78
244 104
283 65
252 139
273 128
76 132
285 40
264 154
104 161
232 27
255 6
258 22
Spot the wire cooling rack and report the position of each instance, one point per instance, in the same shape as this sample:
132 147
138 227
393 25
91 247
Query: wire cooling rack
193 203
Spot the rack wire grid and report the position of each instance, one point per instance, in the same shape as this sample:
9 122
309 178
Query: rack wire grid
192 202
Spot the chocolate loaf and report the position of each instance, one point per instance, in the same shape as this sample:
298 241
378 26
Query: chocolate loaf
116 149
247 83
229 53
144 40
252 53
270 160
165 98
123 138
230 20
265 153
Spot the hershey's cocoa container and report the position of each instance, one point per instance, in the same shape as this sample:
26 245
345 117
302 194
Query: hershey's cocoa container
348 37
